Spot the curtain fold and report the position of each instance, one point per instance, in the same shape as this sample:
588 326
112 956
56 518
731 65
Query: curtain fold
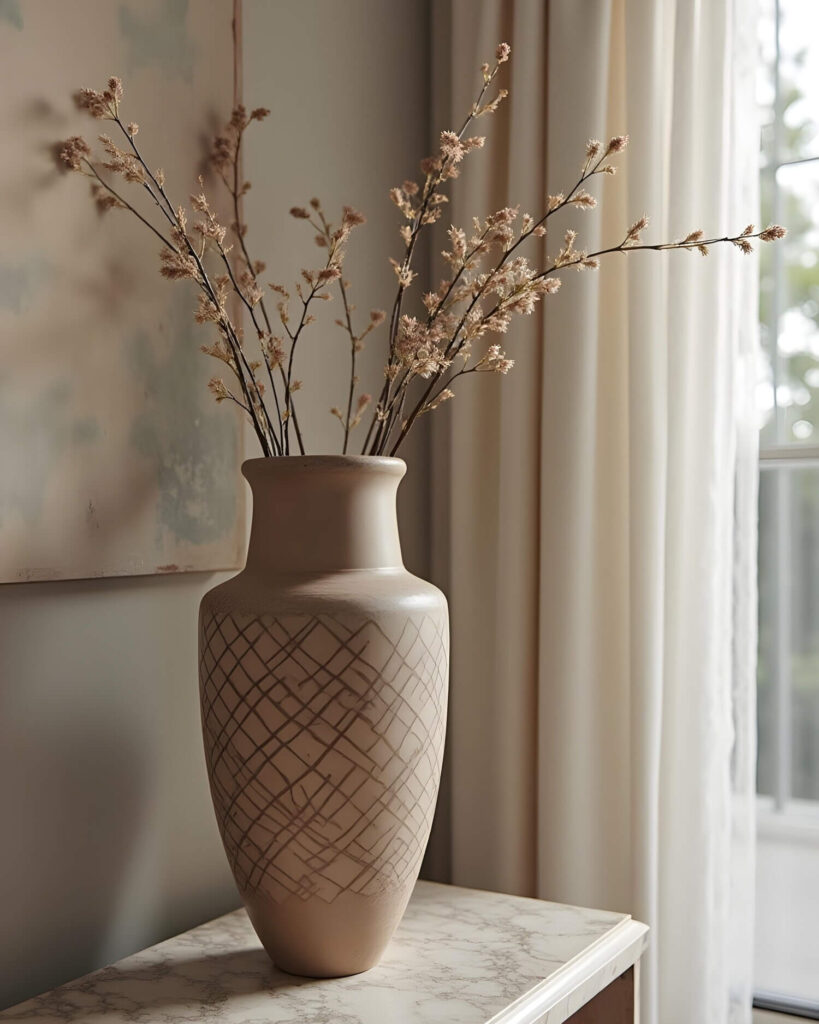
599 544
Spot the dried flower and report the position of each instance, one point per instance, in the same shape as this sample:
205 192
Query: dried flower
403 273
176 266
440 398
452 147
207 312
120 162
494 361
633 233
584 200
361 407
617 144
97 104
74 151
352 217
217 388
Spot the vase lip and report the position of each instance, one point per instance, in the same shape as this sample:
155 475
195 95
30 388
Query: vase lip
275 465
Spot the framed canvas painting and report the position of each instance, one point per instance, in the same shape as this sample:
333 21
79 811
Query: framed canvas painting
114 458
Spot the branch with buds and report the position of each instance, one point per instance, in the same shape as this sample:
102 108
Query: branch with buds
452 334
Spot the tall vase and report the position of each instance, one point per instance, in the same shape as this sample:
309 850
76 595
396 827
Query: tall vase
323 680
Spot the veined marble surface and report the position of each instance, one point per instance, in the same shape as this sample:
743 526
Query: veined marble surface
459 957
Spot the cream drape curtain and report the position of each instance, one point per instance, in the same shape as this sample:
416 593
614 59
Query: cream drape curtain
599 503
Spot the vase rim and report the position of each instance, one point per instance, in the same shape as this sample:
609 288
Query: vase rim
294 463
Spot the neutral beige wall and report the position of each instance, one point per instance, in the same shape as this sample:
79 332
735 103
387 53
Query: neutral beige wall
107 839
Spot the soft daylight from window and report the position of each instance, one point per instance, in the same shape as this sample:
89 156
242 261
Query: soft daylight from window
787 953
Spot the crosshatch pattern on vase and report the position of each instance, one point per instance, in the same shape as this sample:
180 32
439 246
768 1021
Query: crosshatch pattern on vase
323 736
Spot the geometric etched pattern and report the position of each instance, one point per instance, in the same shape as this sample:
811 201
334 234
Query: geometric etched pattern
324 737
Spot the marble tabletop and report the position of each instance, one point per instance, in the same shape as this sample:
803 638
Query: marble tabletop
460 956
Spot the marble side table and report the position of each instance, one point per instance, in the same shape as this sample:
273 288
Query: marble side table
459 957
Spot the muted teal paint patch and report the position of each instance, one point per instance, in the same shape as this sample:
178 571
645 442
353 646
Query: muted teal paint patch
10 13
85 430
40 426
159 40
58 393
21 282
190 443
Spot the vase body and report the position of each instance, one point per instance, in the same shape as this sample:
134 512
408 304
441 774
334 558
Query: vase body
323 682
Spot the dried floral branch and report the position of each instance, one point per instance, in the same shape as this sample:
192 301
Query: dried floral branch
210 229
421 206
488 283
179 258
325 239
226 158
463 256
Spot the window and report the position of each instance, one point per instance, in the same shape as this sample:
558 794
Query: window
787 953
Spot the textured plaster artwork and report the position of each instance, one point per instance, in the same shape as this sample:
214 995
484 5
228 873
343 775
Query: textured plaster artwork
180 436
158 39
20 283
113 456
10 12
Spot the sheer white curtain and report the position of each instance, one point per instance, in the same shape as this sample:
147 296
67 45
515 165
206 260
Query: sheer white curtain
600 501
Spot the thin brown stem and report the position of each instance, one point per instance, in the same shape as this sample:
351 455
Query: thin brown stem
240 235
430 189
353 353
658 247
265 428
453 346
128 206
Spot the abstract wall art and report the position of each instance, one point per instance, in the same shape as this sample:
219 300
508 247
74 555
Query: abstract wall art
114 459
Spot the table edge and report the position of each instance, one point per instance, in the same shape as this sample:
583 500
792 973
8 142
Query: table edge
592 970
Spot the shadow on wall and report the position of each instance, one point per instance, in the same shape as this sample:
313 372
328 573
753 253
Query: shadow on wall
108 842
73 797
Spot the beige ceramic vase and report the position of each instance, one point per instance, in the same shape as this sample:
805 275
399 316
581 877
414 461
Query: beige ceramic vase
323 684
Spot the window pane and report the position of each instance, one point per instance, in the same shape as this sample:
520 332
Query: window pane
787 905
788 765
798 136
797 392
798 30
789 285
789 300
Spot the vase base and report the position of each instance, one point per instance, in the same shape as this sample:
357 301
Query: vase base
315 939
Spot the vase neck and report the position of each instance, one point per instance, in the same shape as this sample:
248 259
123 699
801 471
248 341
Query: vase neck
324 514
